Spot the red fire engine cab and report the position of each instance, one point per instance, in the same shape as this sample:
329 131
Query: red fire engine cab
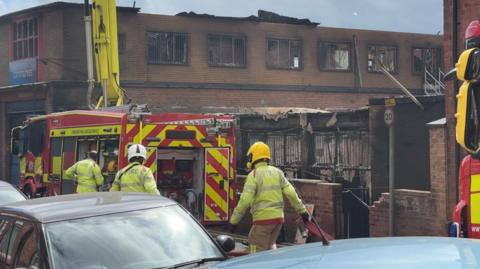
466 215
192 156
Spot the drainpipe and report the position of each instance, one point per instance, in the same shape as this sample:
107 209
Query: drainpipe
88 40
455 81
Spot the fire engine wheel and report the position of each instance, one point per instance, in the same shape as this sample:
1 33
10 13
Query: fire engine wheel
27 190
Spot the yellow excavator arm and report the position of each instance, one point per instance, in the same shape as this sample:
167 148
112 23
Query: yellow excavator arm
105 45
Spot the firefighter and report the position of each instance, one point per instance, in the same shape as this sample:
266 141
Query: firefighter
87 174
135 177
263 193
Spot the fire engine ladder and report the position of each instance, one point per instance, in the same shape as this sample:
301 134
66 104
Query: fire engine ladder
433 85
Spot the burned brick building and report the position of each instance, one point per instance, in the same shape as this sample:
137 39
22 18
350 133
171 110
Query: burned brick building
202 63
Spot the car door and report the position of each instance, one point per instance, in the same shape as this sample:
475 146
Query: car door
24 247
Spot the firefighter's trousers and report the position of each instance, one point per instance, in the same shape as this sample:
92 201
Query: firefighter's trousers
263 237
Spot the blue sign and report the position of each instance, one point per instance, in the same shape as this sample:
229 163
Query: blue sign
23 71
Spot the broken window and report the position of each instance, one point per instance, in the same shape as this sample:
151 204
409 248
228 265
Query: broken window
385 56
334 56
25 38
226 51
284 53
426 59
167 48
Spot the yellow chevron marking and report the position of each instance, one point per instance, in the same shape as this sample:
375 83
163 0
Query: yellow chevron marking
216 198
145 131
199 135
185 144
153 166
222 203
162 134
130 127
211 169
209 214
219 157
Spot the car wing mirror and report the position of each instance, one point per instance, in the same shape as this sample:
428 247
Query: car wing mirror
468 117
226 242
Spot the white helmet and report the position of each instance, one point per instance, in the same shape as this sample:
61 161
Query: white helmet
137 150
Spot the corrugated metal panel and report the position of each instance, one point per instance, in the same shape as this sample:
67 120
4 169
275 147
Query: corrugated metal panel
293 150
350 157
277 148
252 138
353 150
324 150
345 153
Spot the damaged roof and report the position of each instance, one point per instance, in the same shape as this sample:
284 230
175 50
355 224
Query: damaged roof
263 16
59 4
276 113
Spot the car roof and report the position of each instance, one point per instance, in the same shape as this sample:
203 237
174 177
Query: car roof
74 206
386 252
5 184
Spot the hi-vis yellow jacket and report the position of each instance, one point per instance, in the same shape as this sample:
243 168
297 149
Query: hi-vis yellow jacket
87 174
263 193
135 178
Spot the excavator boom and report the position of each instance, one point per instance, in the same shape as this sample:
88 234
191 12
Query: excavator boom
105 46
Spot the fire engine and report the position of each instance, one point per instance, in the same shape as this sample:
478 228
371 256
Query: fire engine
192 156
466 214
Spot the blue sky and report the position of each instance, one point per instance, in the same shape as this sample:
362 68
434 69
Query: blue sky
418 16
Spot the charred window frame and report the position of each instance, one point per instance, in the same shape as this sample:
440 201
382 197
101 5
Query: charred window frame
284 54
285 148
25 38
431 58
335 56
227 51
122 43
388 55
167 48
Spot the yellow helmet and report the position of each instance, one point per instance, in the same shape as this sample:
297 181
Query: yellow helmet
257 151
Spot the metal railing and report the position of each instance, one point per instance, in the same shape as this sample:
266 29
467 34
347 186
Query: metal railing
433 85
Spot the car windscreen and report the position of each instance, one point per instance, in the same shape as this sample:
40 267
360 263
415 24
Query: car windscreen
10 195
140 239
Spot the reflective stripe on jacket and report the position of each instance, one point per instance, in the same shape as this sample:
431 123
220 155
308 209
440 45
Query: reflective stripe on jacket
135 178
87 174
263 193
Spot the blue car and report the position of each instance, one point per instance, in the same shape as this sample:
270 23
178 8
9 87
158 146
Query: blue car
368 253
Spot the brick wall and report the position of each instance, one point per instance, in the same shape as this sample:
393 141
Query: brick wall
256 33
328 207
327 199
53 62
418 212
64 42
194 100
